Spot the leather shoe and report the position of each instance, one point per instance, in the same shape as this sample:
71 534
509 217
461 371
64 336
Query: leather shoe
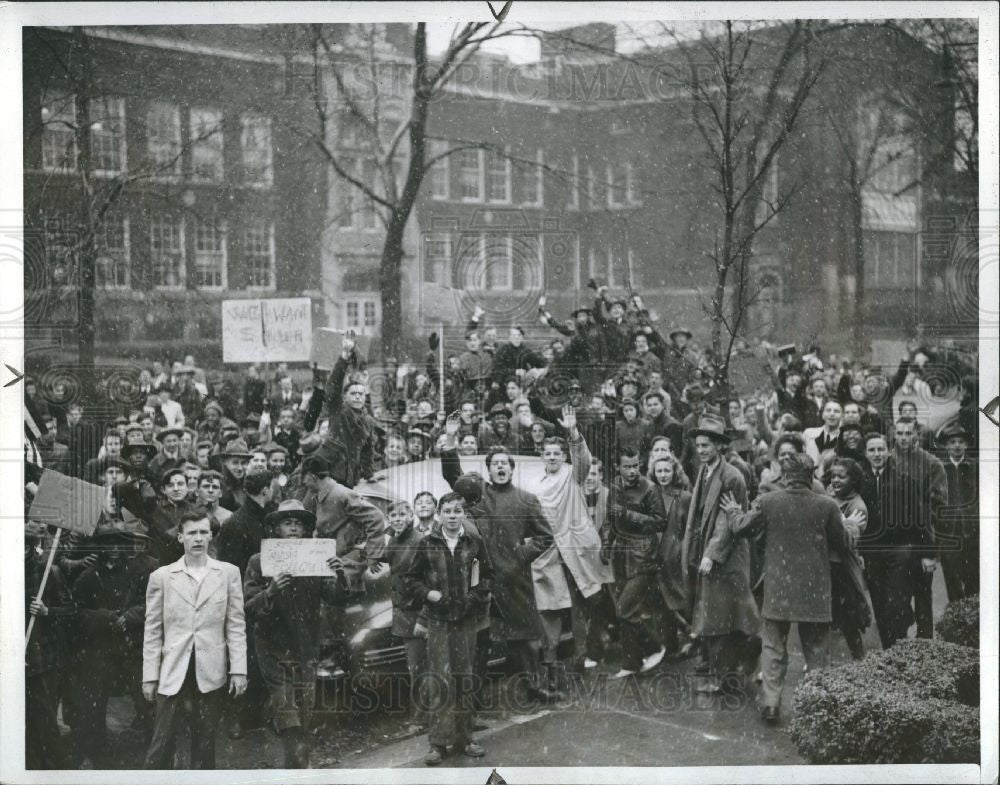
769 714
473 750
433 757
235 730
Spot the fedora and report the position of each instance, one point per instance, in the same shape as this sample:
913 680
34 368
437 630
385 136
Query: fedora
713 427
237 448
291 508
681 331
309 444
178 432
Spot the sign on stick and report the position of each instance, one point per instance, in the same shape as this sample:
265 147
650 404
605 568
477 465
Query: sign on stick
67 502
275 330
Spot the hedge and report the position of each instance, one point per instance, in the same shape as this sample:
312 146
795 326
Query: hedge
917 702
960 622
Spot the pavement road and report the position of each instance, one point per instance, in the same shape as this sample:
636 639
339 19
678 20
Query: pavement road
657 719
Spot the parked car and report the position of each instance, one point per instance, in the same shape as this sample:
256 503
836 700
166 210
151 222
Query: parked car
366 645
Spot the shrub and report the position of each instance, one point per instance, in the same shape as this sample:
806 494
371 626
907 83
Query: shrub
917 702
960 622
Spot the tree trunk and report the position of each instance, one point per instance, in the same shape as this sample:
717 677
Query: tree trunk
390 287
86 250
861 310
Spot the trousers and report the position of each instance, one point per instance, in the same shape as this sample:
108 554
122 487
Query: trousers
202 708
587 617
291 684
43 747
638 607
451 657
815 639
901 594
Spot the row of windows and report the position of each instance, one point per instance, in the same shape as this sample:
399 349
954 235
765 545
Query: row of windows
489 176
504 262
166 139
168 252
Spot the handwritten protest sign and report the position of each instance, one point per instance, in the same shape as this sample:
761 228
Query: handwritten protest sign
299 558
275 330
67 502
327 343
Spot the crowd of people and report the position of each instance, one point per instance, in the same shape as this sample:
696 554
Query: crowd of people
674 516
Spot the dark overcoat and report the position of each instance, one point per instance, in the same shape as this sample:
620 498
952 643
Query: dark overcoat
800 529
720 602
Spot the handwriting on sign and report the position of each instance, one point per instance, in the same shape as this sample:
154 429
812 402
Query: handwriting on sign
299 558
276 330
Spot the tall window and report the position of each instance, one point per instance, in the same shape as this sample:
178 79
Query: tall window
255 143
499 262
574 186
209 255
890 259
631 193
591 188
258 245
107 134
362 313
437 258
532 187
470 175
112 247
206 144
58 136
617 186
163 137
440 174
166 246
498 178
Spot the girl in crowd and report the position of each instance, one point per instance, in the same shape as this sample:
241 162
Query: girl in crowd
670 480
852 612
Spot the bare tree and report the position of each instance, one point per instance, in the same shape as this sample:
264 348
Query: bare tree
387 101
77 106
747 88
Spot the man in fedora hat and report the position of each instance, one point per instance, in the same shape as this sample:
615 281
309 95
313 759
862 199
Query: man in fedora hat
697 405
609 315
111 598
587 352
235 459
170 453
679 360
959 521
283 611
308 445
717 567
